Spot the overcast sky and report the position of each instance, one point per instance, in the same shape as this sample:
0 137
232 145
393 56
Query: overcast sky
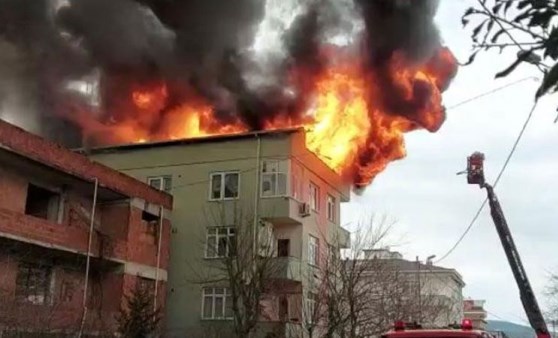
433 206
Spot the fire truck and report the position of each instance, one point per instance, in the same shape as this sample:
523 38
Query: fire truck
475 175
413 330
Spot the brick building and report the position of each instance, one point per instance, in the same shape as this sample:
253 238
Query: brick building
63 217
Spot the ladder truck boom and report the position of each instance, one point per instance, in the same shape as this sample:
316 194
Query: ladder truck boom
475 175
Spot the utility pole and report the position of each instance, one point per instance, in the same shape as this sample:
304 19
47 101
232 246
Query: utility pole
419 296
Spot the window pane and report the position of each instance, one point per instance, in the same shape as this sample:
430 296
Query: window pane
267 185
228 307
281 184
219 310
232 246
216 186
223 231
155 182
231 185
210 248
167 184
207 307
222 247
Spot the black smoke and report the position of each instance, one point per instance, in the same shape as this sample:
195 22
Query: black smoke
200 46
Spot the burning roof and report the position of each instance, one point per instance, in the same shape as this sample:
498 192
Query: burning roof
180 69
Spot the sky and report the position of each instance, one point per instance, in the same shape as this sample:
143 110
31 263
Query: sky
432 206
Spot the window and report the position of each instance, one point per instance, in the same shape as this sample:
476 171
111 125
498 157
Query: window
274 178
217 303
224 186
283 246
163 183
296 181
150 224
33 283
220 242
314 197
311 301
313 250
331 208
42 203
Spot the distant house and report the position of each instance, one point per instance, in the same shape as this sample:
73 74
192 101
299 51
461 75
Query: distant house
429 294
473 309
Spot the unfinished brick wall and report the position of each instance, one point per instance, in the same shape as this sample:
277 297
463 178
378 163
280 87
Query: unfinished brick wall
56 156
57 235
13 190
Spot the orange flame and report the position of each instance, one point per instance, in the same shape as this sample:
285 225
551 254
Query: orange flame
346 125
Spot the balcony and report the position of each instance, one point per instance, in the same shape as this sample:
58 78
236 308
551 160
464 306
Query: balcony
281 210
282 329
343 237
287 268
45 233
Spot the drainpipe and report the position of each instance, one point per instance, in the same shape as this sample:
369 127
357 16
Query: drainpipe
161 218
257 194
88 261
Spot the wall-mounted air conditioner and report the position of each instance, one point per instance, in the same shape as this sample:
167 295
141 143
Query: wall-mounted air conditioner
304 210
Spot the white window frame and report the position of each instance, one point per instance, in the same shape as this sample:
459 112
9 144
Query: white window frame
161 185
331 208
314 195
296 178
281 169
313 250
311 304
212 234
223 175
211 292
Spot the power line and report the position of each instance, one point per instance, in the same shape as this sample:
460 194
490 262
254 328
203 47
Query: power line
492 91
506 162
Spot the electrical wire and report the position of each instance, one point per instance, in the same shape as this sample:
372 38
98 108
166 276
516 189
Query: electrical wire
504 166
492 91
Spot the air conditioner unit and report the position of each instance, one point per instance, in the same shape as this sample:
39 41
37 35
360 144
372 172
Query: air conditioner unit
304 210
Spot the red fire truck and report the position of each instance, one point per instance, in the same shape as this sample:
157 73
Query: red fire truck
412 330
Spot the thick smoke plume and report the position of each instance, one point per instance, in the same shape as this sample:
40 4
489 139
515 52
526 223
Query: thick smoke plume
202 52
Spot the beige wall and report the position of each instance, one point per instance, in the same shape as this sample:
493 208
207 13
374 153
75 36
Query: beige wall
190 166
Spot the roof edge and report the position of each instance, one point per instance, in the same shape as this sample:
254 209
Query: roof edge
45 152
184 141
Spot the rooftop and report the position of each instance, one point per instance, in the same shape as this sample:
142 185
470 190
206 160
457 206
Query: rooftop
16 141
193 140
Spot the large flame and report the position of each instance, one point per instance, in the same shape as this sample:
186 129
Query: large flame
347 123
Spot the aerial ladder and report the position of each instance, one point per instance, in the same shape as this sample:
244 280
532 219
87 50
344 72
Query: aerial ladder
475 175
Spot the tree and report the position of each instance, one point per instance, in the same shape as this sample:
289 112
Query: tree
361 295
524 25
138 318
244 264
552 296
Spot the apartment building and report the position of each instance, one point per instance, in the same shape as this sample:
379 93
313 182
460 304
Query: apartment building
270 177
75 238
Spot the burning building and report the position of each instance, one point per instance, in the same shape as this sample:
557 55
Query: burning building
227 189
355 74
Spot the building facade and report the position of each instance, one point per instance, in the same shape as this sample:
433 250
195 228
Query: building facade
425 293
267 178
473 309
62 218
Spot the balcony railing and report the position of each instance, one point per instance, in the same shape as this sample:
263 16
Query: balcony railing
287 268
